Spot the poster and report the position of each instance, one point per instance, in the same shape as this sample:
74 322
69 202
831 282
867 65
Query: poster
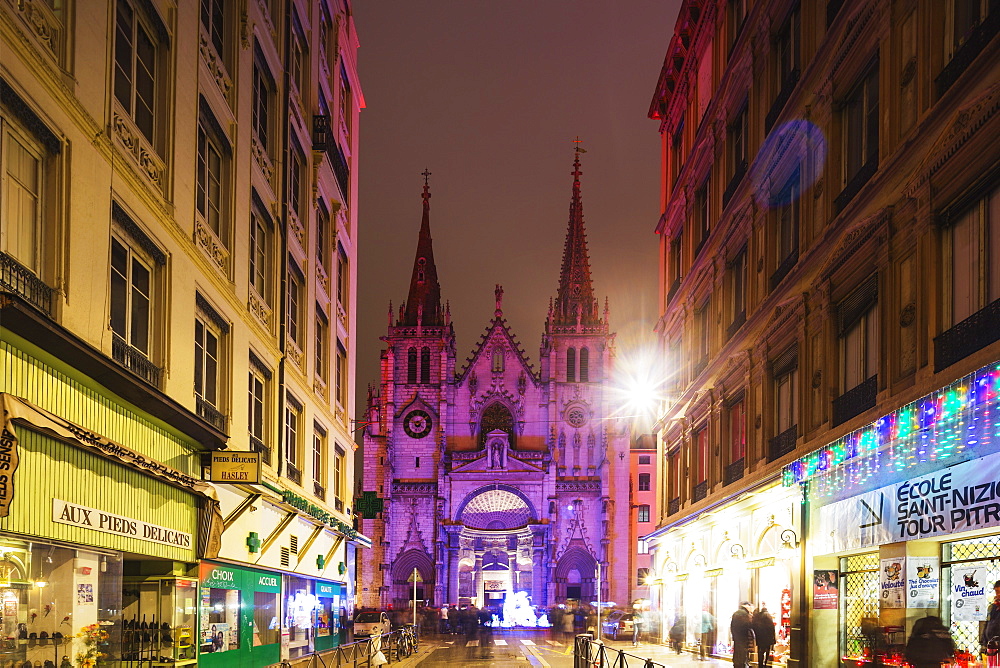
826 590
923 583
216 638
892 582
85 594
968 593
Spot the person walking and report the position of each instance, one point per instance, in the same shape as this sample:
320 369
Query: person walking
705 628
637 622
567 627
930 644
742 634
763 632
992 629
677 634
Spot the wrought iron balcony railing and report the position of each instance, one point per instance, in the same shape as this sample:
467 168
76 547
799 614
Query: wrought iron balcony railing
16 278
319 491
733 472
855 401
338 505
674 506
783 269
135 361
734 182
673 289
257 445
292 473
782 444
972 334
791 80
211 414
855 185
700 491
974 44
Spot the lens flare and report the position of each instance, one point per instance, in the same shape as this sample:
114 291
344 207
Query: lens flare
790 162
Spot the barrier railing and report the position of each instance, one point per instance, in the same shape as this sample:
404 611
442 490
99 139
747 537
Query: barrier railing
590 653
389 647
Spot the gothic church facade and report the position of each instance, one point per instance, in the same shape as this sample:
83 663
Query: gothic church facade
496 477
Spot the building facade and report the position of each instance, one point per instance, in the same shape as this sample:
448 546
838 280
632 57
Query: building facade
177 281
829 251
497 479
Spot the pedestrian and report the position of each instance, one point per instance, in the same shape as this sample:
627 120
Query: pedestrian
485 619
705 628
677 634
443 614
555 620
567 627
742 634
763 632
637 622
930 644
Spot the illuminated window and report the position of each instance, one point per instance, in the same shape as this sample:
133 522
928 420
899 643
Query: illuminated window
643 515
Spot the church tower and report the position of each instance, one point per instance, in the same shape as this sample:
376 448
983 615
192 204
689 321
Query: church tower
405 437
577 358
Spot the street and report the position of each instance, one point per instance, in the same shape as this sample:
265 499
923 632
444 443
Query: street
519 647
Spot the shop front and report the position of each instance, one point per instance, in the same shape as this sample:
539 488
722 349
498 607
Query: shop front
95 542
743 550
239 616
314 614
904 522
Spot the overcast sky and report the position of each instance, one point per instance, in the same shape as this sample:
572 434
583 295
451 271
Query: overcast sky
489 95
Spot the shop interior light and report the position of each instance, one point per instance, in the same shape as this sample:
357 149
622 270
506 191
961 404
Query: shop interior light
41 584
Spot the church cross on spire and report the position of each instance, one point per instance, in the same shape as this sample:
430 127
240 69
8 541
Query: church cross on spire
575 298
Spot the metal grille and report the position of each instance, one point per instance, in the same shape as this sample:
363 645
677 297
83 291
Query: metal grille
860 600
968 552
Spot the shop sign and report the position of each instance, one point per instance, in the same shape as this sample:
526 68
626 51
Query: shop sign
109 523
826 590
8 465
963 497
892 582
325 590
922 582
968 594
233 467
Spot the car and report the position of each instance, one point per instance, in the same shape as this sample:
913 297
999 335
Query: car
371 624
618 624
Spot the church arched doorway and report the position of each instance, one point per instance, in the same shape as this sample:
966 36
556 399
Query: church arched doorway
403 577
576 576
496 546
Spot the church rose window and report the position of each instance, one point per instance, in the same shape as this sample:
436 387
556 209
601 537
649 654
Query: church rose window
496 509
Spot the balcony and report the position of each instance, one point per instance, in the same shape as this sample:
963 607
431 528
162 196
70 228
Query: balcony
855 185
782 444
340 170
738 321
855 401
700 491
319 491
14 277
673 289
211 414
982 35
321 132
791 80
783 269
338 505
733 472
293 473
734 183
972 334
257 445
674 506
135 361
699 366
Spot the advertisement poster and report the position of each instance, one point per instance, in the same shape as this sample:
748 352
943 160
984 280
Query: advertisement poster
826 590
923 582
85 594
968 591
892 582
216 639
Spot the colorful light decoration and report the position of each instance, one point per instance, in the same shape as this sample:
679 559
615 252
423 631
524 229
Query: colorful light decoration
958 418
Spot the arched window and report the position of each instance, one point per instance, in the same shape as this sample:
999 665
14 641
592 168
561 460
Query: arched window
497 361
571 365
496 416
411 366
584 365
425 365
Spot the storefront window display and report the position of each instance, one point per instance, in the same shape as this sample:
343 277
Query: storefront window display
969 569
239 621
329 596
48 594
158 620
301 615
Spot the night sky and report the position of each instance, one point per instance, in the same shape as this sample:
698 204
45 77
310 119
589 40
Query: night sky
489 95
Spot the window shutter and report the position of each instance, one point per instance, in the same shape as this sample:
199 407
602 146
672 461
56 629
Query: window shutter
856 304
786 361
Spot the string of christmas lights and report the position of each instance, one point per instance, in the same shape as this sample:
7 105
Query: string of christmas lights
961 417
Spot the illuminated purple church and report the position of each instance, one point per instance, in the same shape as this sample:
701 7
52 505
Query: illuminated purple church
496 477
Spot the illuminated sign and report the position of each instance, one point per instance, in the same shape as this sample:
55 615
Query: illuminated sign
235 467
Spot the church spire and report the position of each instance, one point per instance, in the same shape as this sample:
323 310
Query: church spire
423 304
575 298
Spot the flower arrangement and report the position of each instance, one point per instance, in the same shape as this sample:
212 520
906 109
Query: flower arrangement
92 636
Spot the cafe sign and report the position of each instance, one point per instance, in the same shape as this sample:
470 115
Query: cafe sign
234 467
